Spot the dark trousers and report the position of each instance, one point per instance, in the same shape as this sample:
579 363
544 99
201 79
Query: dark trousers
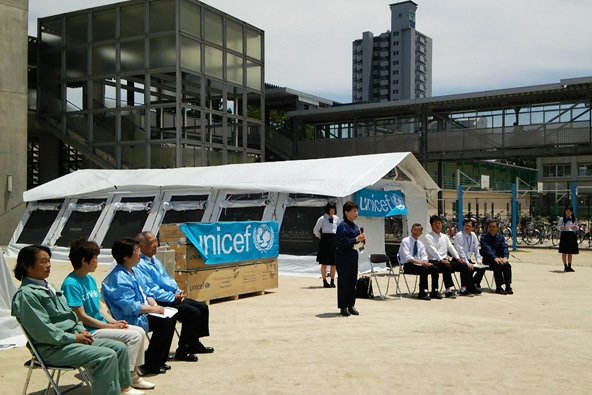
477 276
446 270
347 275
159 346
423 272
501 273
195 319
466 275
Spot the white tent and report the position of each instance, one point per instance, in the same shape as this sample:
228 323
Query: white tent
9 328
331 177
339 178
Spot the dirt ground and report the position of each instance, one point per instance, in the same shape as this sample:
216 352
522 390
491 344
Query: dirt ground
293 341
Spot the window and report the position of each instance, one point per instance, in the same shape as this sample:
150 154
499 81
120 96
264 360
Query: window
81 221
43 214
557 170
585 170
188 208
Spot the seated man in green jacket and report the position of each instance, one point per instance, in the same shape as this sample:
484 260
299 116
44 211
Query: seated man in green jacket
56 332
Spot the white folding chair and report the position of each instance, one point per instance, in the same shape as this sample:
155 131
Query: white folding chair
53 373
377 259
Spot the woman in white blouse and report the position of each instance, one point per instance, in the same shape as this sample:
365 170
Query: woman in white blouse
325 229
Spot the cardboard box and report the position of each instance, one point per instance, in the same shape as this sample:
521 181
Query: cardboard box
170 233
186 257
216 281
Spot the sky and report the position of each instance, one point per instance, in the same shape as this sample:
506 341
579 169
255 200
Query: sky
478 45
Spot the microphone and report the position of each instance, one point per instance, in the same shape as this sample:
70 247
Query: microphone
360 245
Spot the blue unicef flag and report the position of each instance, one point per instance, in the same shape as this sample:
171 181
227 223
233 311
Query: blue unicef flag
223 242
380 203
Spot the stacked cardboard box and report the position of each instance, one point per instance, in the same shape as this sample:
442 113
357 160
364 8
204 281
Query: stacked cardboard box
207 282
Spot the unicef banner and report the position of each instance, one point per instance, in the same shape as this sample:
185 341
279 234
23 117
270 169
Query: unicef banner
223 242
380 203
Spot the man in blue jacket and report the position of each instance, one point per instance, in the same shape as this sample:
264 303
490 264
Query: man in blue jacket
495 254
194 315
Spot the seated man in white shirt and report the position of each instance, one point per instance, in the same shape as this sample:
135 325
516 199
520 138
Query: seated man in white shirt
413 257
439 248
467 246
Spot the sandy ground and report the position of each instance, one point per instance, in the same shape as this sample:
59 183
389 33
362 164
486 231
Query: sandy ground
293 341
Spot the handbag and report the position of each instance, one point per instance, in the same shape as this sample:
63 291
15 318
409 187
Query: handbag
364 288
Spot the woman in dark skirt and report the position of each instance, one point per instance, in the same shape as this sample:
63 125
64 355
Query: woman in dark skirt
568 239
325 229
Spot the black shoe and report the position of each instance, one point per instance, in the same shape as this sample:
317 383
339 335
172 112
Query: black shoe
201 349
423 296
509 290
186 357
435 295
569 269
166 367
475 291
146 369
332 283
465 293
500 290
326 284
344 312
450 295
352 310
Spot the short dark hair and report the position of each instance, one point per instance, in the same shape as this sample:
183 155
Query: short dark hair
467 220
493 220
80 249
330 206
123 248
435 218
349 206
27 257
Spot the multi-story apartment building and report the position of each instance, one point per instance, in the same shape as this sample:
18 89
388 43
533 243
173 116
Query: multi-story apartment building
396 64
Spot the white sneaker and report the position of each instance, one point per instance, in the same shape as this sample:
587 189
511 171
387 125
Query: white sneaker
132 391
143 384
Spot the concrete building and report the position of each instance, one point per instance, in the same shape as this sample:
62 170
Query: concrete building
396 64
13 113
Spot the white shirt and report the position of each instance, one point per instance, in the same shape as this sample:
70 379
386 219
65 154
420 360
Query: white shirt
467 246
323 225
406 250
438 247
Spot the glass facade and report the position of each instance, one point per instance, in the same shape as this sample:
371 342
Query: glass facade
153 84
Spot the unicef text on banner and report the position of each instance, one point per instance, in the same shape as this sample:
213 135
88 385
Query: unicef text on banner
223 242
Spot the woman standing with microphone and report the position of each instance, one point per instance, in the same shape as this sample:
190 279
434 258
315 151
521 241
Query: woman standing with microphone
346 256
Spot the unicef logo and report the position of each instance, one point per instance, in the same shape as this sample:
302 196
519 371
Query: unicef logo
263 237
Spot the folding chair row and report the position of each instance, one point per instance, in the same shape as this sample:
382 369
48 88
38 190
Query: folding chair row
378 259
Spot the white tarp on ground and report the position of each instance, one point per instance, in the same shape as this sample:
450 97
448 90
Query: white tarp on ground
330 177
307 266
10 333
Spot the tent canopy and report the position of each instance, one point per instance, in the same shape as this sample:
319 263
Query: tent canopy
337 177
